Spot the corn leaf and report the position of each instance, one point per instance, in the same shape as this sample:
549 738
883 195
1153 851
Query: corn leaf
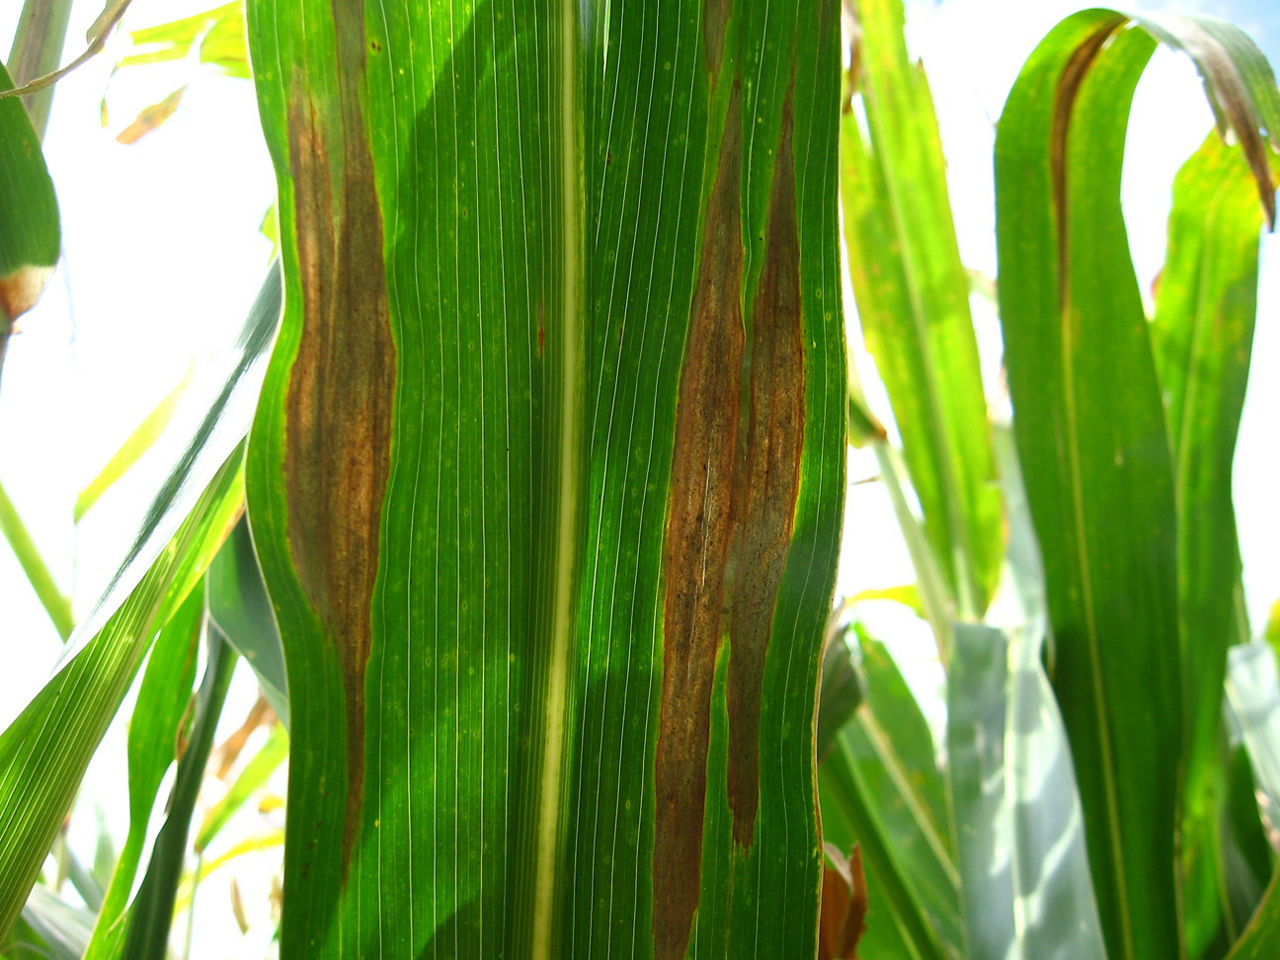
151 913
163 699
913 302
29 230
189 518
547 474
1203 331
881 789
1092 440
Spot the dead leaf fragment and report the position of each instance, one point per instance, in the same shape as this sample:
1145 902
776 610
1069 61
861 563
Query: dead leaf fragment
149 118
20 290
844 905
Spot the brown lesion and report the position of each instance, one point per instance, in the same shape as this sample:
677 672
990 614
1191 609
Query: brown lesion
715 25
766 483
735 479
339 404
699 531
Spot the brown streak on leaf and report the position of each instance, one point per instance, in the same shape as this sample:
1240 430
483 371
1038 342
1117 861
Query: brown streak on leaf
20 290
766 483
715 24
339 405
699 529
1069 83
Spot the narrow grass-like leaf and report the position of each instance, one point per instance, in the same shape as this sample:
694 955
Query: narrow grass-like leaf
190 517
913 302
546 479
254 775
137 443
56 604
163 699
151 913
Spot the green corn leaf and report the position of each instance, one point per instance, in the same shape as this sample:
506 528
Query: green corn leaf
239 606
189 518
1203 331
913 302
881 780
163 699
29 231
546 478
1258 942
151 913
1092 439
137 444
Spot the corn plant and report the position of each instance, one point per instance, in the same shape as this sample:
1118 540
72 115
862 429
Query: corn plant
531 536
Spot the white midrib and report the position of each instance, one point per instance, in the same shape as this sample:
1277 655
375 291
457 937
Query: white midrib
566 524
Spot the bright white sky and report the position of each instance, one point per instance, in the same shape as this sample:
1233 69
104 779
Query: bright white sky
162 258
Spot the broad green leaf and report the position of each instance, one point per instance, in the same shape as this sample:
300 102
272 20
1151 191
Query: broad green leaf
1203 330
189 518
163 699
1092 439
239 606
547 474
151 914
913 301
881 779
29 231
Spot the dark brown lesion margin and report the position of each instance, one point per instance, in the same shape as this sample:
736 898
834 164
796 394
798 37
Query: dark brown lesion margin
339 403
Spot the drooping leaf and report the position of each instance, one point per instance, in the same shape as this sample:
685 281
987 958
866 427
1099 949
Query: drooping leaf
163 699
190 517
913 301
1092 439
547 474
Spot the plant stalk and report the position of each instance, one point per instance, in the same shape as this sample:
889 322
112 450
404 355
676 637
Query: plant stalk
37 49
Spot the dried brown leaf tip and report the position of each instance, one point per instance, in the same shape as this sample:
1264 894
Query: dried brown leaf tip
844 905
19 292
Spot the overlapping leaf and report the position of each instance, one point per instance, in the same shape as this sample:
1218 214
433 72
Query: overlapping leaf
1092 439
